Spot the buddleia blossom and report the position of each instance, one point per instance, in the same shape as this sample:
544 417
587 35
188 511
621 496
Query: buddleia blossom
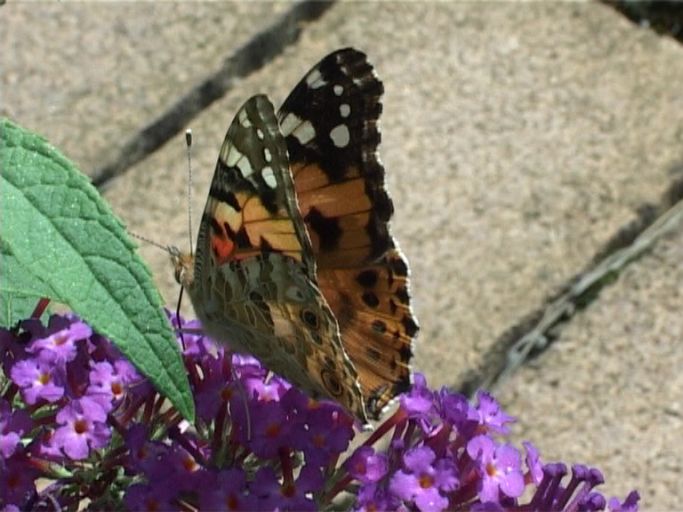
76 414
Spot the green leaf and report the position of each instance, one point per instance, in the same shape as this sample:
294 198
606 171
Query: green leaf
61 240
19 293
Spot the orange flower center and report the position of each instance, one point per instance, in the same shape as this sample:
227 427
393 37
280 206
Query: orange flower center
116 388
273 430
426 481
81 426
13 481
226 394
152 505
231 502
190 464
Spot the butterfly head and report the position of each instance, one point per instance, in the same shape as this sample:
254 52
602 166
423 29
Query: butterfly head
183 264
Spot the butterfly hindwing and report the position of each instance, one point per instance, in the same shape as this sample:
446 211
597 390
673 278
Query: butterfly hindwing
254 275
372 307
330 124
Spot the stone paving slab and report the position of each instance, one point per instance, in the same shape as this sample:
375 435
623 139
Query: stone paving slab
518 139
613 383
89 75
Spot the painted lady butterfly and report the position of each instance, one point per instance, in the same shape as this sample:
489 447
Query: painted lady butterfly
295 263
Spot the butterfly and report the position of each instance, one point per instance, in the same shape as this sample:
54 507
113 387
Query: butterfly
294 261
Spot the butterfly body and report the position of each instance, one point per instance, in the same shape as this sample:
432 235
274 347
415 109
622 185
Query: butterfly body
294 262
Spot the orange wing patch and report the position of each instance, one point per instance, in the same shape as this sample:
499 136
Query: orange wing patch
243 227
343 221
372 307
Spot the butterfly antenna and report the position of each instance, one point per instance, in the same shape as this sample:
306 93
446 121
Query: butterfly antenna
188 142
149 241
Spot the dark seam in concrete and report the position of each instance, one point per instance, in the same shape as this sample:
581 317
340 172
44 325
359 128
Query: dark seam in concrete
663 17
253 55
493 369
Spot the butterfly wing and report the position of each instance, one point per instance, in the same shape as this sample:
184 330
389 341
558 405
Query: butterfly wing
254 276
330 126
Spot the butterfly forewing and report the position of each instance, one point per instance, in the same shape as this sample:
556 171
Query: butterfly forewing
251 203
330 124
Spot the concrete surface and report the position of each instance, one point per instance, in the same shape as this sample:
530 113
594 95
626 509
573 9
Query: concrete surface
90 75
517 138
614 381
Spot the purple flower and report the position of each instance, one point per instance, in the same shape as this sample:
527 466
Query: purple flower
13 425
145 456
630 504
216 387
533 462
193 342
292 496
258 444
226 490
457 410
12 349
419 401
367 466
500 468
425 480
266 390
326 433
491 416
373 497
552 493
269 429
150 498
62 344
108 383
82 428
17 478
248 367
38 378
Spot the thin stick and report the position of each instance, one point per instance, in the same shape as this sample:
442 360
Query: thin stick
177 316
188 141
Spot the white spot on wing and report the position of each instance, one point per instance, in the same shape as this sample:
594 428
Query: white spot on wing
244 119
245 167
267 155
232 157
269 177
344 109
259 133
315 79
340 135
338 89
289 123
304 132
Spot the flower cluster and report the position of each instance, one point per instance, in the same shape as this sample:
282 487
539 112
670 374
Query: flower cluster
75 414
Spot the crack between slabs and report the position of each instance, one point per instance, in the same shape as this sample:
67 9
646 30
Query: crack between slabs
535 333
253 55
